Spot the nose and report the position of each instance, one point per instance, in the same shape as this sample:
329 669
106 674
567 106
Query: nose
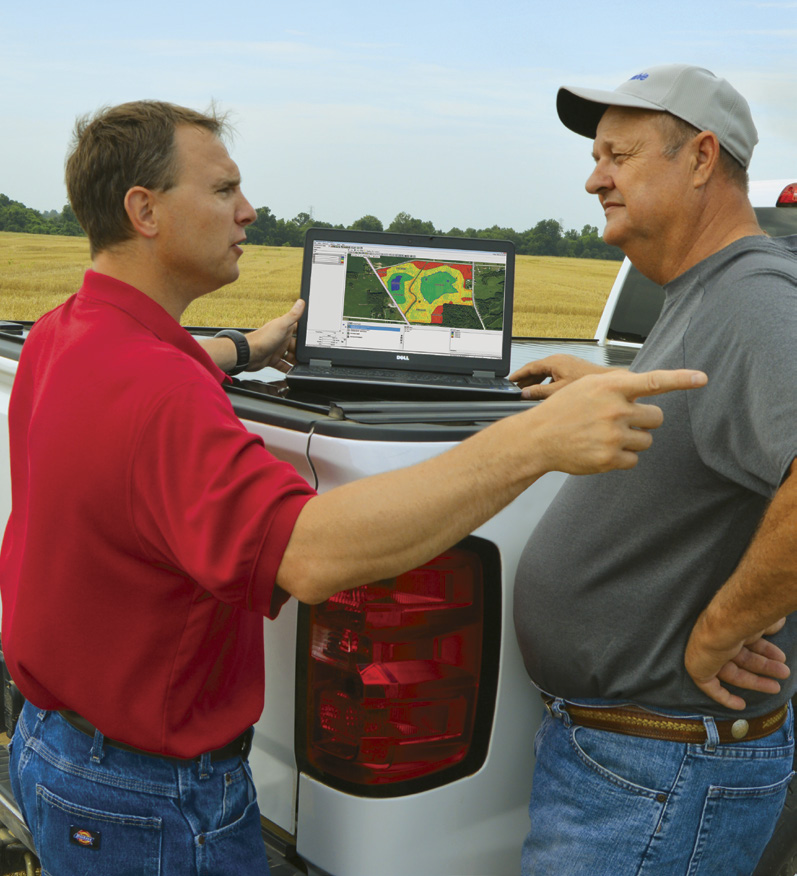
598 180
246 213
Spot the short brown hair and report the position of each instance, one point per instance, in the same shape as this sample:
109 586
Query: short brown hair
120 147
677 132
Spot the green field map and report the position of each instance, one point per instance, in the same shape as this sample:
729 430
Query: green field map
467 295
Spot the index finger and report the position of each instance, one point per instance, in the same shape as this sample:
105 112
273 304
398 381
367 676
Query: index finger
530 373
636 385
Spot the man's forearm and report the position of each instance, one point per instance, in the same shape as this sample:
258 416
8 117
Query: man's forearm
221 350
380 526
763 588
729 644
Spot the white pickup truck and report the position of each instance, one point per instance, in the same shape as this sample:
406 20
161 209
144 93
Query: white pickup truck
397 731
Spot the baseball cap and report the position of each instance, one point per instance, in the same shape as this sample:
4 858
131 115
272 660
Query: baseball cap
691 93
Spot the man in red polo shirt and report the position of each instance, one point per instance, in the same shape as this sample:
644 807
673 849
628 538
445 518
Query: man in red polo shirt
150 533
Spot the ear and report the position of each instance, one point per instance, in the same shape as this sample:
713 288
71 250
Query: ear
140 209
706 154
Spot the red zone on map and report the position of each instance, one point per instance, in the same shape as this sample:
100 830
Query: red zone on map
466 271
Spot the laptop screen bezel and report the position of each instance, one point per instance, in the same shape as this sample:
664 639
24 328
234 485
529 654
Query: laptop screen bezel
417 361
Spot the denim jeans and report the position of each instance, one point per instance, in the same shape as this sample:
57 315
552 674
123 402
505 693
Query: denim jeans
100 810
606 804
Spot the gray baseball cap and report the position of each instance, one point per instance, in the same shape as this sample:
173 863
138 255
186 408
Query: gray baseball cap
693 94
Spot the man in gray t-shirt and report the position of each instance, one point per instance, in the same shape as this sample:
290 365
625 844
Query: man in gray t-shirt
650 603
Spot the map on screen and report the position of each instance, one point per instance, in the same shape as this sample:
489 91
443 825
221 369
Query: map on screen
458 295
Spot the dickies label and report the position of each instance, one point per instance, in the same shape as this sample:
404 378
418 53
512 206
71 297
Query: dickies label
85 838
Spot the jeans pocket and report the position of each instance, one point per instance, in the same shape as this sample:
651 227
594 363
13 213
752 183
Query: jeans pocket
539 736
235 850
721 847
633 763
239 792
593 810
76 839
19 755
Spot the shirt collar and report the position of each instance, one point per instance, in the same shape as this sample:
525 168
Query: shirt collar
150 314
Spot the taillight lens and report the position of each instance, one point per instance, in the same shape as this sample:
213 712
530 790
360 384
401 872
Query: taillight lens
788 197
394 671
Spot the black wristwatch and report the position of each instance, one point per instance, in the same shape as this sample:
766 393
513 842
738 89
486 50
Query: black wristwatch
241 345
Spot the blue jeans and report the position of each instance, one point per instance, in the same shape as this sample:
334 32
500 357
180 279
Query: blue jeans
96 809
605 804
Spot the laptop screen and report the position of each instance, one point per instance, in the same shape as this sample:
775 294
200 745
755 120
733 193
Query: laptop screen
404 298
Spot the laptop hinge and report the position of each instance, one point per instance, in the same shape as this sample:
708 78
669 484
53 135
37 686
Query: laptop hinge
489 374
320 363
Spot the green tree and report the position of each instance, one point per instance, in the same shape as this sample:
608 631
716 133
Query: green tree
302 220
288 233
66 223
496 232
544 239
593 246
262 230
406 224
367 223
15 216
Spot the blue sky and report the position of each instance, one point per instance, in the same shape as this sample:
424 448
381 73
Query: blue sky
445 110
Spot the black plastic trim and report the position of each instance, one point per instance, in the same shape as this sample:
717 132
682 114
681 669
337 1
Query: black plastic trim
326 421
10 343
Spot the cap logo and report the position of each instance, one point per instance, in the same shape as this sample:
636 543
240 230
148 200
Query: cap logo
640 76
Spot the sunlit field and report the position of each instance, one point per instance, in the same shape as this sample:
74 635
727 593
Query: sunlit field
554 297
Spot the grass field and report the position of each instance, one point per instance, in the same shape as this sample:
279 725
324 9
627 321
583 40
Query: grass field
554 297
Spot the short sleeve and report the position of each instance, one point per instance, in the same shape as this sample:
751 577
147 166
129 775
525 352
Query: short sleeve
744 423
208 499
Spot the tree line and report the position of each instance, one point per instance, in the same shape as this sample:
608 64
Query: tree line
15 216
548 237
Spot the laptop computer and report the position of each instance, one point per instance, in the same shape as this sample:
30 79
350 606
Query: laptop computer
405 316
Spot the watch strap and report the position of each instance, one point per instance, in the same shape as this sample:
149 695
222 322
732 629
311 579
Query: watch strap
241 346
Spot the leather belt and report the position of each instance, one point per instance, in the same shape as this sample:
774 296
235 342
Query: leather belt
240 746
635 721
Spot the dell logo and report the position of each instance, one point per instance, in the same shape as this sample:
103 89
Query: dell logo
402 358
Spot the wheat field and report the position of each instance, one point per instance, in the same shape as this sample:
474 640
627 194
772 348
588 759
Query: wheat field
554 297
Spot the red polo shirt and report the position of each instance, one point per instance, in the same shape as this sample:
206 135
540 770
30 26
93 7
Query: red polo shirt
146 530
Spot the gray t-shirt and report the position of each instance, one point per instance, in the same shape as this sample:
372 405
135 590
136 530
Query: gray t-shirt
617 571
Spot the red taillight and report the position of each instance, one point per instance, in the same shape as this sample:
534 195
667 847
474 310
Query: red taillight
788 197
394 670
